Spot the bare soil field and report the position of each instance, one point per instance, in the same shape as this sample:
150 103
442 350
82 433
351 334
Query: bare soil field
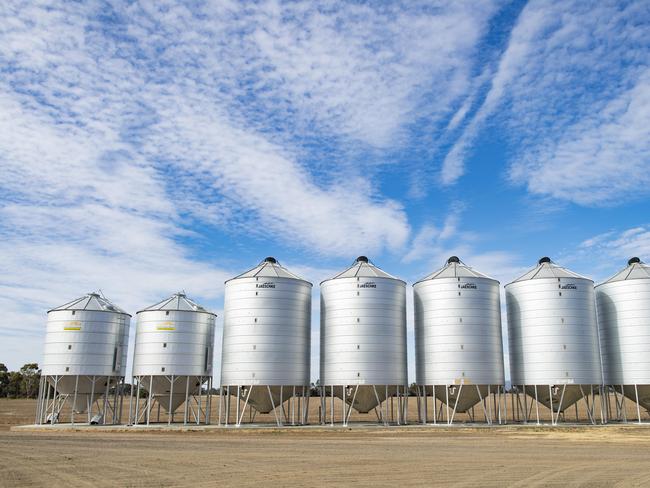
375 456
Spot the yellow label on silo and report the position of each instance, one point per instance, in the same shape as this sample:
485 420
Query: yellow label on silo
166 326
72 325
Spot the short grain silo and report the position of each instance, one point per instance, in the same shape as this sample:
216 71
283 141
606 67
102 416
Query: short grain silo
172 361
553 339
84 361
458 344
266 346
363 342
623 304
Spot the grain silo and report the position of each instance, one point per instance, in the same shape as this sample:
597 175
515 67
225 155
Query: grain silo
623 305
363 342
553 339
84 361
172 361
266 345
458 345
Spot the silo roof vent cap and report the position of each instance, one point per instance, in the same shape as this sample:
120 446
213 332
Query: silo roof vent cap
633 260
453 259
362 259
270 259
543 260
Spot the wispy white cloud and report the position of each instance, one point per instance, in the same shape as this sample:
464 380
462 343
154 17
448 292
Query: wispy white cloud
571 90
610 250
602 159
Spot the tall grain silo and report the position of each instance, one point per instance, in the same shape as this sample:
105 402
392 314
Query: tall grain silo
172 361
266 345
623 304
458 344
84 361
553 339
363 342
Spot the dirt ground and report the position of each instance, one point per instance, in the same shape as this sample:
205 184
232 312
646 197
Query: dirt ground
375 456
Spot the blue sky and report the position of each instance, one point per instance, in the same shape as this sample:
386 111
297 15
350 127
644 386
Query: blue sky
147 147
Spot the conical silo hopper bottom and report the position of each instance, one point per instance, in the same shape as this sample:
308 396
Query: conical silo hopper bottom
161 388
264 398
88 388
643 392
560 397
462 399
364 397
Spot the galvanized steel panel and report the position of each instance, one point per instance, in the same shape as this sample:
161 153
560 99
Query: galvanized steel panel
553 335
267 329
363 330
174 342
85 342
623 305
458 330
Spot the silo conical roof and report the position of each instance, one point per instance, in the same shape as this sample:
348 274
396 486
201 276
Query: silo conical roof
177 302
363 268
91 302
269 268
455 268
635 270
548 269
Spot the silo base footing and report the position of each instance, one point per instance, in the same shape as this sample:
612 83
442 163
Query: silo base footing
637 407
289 404
441 404
556 401
80 399
389 403
165 394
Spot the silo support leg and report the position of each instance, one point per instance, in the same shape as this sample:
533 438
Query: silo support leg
590 407
277 419
283 410
187 399
433 402
137 402
239 420
559 408
220 404
354 397
636 397
170 415
54 400
536 405
208 401
199 402
526 411
322 417
332 404
149 398
485 414
380 416
38 403
386 418
343 405
460 389
447 402
489 406
74 401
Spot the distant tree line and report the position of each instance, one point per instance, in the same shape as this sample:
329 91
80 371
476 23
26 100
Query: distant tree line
20 384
